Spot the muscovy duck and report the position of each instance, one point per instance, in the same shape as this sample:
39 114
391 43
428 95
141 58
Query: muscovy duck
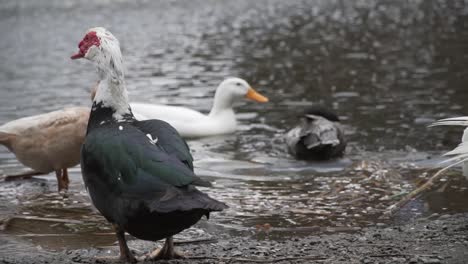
139 174
318 136
193 124
47 142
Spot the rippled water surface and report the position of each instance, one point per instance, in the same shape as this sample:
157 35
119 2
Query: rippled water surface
388 68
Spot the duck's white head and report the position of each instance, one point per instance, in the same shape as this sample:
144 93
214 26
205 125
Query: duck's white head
102 48
238 88
232 89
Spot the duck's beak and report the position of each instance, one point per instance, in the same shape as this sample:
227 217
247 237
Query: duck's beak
78 55
252 94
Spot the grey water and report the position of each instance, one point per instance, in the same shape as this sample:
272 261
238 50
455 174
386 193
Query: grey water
388 68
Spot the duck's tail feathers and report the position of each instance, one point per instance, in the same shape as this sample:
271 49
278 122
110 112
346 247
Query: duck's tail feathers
453 121
458 156
460 150
187 200
6 139
458 160
326 134
202 183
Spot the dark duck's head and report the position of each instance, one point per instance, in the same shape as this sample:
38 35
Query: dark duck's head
103 49
319 110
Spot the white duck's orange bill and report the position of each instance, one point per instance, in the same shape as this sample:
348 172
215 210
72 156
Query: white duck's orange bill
252 94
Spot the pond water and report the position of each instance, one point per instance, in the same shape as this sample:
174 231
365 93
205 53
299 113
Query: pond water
388 68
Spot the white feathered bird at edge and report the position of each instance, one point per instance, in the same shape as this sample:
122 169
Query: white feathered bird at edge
460 154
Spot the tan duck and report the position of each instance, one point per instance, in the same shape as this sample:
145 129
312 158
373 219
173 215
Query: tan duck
47 142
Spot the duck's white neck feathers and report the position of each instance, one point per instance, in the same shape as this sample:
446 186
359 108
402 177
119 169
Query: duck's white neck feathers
111 92
113 95
222 102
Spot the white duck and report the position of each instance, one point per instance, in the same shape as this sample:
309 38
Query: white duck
193 124
460 153
47 142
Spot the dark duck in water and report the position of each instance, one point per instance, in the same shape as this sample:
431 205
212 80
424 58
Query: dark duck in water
139 174
318 136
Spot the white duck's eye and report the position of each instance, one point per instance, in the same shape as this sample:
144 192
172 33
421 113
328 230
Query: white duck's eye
238 84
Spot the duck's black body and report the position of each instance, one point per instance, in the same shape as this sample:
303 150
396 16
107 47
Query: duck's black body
139 175
318 136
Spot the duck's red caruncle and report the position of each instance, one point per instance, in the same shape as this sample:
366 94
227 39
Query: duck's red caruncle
90 39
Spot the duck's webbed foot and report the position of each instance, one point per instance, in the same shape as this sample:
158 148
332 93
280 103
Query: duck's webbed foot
166 252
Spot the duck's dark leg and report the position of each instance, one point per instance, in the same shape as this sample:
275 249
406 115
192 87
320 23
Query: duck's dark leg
24 175
166 252
125 253
66 180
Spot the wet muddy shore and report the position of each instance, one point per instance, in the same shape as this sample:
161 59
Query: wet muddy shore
436 239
